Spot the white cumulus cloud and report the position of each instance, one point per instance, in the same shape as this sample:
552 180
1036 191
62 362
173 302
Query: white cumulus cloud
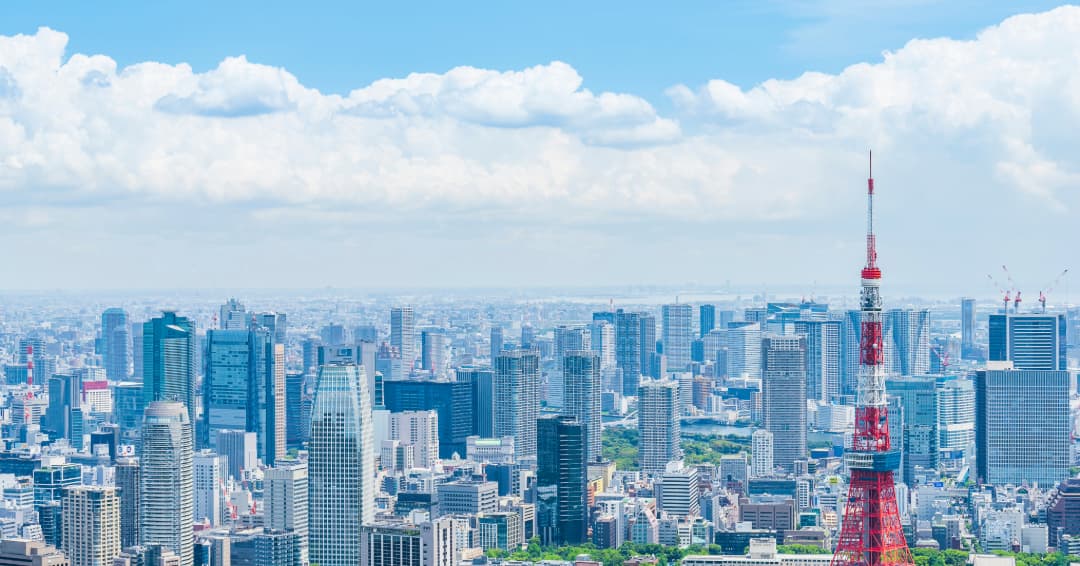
958 124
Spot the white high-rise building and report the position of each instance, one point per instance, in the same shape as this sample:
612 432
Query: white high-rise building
956 423
678 332
210 472
581 379
166 494
678 493
823 357
783 387
285 497
341 466
517 399
659 432
91 525
909 332
602 335
744 350
420 429
762 453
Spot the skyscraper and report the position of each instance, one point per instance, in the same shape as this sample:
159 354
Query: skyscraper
434 355
602 337
659 432
567 339
648 340
396 544
482 386
452 400
581 379
956 423
706 319
169 361
91 525
286 499
919 443
233 315
128 486
65 395
909 330
244 389
403 337
240 450
1029 341
341 466
678 333
823 359
628 350
783 385
517 399
209 476
116 343
166 494
1022 426
744 349
421 430
967 327
761 464
561 476
496 344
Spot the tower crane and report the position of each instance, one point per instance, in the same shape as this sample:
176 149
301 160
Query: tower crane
1049 288
1012 286
1007 296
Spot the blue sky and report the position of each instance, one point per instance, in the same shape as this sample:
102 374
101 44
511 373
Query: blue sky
622 46
188 144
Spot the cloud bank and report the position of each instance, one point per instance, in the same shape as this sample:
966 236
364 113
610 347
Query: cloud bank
991 119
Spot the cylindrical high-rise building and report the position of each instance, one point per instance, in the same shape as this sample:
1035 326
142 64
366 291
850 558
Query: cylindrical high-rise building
341 466
167 487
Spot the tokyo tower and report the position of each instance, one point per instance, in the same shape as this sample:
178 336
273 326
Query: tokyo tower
871 534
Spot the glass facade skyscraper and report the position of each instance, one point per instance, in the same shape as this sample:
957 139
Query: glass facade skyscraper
1022 426
341 466
244 389
116 343
561 476
169 361
919 443
1029 341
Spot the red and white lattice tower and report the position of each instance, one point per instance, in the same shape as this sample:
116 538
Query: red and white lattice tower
871 534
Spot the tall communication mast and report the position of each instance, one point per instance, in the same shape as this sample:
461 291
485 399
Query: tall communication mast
871 534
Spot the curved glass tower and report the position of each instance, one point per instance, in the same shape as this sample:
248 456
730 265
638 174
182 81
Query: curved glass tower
341 466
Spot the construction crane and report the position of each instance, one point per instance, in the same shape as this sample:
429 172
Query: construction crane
1012 287
1007 295
1049 287
942 352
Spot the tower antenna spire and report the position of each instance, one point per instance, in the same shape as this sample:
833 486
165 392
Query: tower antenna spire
871 534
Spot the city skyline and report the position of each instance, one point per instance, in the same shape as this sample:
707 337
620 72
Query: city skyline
532 155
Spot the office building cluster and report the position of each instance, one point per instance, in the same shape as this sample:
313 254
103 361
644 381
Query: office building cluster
445 433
